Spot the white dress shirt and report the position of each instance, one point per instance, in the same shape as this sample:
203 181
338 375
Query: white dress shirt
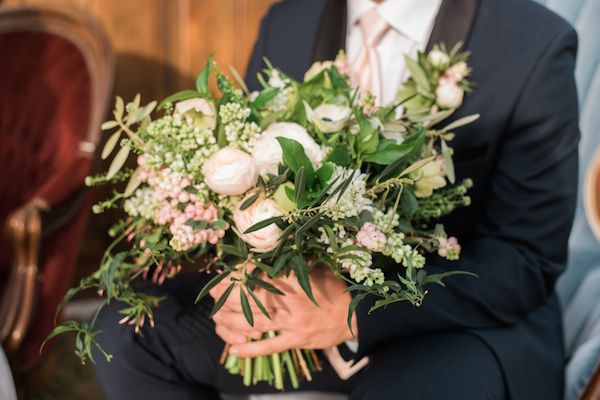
411 23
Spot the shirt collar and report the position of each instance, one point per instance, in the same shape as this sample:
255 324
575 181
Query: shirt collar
413 18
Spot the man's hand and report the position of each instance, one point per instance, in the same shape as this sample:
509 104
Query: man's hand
301 324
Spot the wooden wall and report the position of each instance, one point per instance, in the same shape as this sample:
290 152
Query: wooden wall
161 45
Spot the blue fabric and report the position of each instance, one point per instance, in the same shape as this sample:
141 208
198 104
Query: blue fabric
579 287
582 333
584 247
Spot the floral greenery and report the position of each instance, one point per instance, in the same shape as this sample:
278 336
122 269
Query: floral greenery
355 181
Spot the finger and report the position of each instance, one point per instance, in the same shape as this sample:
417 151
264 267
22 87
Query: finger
236 321
229 336
264 347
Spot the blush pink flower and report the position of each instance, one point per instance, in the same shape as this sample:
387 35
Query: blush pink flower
265 239
371 237
448 248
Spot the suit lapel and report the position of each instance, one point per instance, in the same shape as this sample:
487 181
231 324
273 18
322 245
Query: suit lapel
452 24
331 34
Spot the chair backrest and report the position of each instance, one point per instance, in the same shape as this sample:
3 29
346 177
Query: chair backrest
584 246
55 76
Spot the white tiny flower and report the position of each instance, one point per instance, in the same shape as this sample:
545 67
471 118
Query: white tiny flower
328 118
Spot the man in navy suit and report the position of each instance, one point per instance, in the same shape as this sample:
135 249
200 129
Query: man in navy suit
496 337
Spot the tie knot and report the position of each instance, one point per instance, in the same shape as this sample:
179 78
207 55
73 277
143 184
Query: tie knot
373 27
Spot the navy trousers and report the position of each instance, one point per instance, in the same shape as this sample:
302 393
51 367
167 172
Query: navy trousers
178 359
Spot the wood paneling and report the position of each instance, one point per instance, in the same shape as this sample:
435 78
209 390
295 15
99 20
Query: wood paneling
161 45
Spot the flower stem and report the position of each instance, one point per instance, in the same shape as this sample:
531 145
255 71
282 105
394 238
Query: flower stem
247 371
287 359
276 363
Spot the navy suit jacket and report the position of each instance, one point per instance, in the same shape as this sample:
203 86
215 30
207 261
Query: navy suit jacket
522 157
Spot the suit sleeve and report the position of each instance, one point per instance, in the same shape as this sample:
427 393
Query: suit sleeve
256 63
521 241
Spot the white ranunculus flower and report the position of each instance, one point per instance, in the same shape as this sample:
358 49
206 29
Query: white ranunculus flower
230 171
265 239
328 118
438 58
449 95
267 150
200 110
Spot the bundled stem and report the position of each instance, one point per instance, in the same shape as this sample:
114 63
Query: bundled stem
296 364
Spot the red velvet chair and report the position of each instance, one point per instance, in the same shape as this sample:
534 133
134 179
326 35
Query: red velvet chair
56 73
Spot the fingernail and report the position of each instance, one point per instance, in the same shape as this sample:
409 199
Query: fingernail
233 350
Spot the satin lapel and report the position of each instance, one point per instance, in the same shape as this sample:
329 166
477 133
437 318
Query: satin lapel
331 34
453 22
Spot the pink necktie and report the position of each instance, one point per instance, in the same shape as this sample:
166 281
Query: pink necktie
366 69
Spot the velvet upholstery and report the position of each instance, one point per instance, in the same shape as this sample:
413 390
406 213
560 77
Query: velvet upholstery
55 77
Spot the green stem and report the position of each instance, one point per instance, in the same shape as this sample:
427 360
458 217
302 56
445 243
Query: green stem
287 359
258 370
247 371
231 362
276 361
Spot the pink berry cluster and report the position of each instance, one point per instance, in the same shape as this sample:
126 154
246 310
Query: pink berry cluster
179 206
371 237
449 248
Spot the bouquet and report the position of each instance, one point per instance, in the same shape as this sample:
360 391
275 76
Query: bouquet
251 186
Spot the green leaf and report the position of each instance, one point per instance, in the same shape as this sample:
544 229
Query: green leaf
145 111
340 156
109 125
448 163
119 108
219 303
461 122
238 79
265 96
408 202
325 173
413 146
302 274
368 136
268 286
110 144
299 183
202 80
418 74
211 284
294 157
388 151
417 165
134 182
179 96
309 224
246 307
438 278
352 307
262 224
118 162
232 250
259 304
249 201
